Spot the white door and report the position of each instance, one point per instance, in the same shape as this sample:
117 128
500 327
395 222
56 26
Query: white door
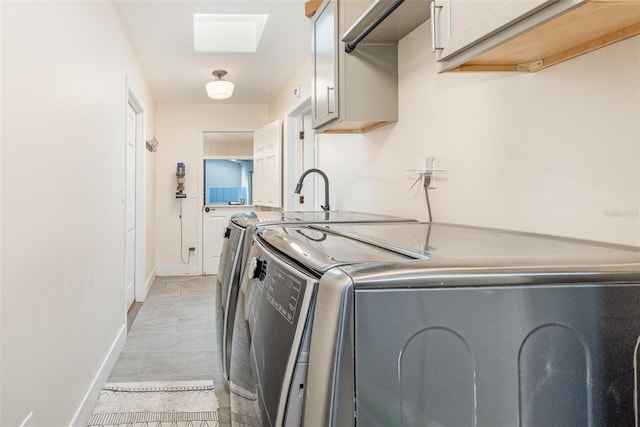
130 207
214 224
267 165
259 171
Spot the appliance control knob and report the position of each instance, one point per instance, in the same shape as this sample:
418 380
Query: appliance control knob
263 270
255 268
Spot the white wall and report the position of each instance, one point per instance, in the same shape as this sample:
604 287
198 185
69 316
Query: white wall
239 148
64 71
150 217
137 84
557 151
286 107
285 100
179 128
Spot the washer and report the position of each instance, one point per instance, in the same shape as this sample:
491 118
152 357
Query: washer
238 236
487 328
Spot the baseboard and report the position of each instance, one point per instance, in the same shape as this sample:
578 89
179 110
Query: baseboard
148 283
84 411
177 270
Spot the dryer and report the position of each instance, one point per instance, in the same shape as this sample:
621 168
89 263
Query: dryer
238 236
268 365
487 328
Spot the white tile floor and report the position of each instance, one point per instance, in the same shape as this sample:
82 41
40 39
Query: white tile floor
174 337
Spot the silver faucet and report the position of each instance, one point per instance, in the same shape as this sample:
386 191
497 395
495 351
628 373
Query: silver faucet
326 186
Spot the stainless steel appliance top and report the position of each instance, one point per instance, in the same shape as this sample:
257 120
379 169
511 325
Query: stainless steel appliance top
243 219
451 245
320 250
246 218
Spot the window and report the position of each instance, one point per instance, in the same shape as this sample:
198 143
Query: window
228 182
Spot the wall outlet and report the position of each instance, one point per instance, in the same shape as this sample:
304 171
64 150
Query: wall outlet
427 166
432 178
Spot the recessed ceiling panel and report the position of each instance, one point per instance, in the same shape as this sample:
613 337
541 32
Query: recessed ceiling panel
224 33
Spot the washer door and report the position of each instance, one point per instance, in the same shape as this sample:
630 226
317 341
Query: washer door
267 342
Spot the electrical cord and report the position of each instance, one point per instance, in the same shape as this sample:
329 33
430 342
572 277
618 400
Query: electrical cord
427 180
181 239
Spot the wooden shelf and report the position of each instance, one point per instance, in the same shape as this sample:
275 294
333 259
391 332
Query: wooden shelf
595 24
310 7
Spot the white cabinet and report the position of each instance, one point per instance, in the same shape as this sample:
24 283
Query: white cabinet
355 92
267 165
525 35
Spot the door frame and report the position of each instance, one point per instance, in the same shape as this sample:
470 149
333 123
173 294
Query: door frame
140 290
291 151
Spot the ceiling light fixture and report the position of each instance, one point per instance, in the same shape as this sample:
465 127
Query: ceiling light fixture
219 89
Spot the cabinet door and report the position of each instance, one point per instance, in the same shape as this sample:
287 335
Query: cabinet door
273 169
462 23
267 165
259 175
324 47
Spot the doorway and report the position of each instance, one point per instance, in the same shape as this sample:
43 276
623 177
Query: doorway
308 199
300 154
133 198
227 188
130 206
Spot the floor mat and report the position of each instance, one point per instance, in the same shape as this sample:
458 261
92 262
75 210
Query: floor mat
160 404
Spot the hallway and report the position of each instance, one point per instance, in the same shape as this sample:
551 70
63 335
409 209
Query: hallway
174 338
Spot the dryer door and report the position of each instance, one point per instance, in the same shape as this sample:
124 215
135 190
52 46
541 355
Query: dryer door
229 289
267 341
234 236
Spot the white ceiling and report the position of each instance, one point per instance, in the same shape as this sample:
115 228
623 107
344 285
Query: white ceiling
161 33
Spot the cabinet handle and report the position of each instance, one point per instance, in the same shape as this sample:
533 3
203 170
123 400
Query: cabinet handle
434 45
333 98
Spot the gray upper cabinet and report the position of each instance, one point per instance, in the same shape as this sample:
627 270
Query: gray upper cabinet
525 35
400 18
325 64
461 23
355 92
